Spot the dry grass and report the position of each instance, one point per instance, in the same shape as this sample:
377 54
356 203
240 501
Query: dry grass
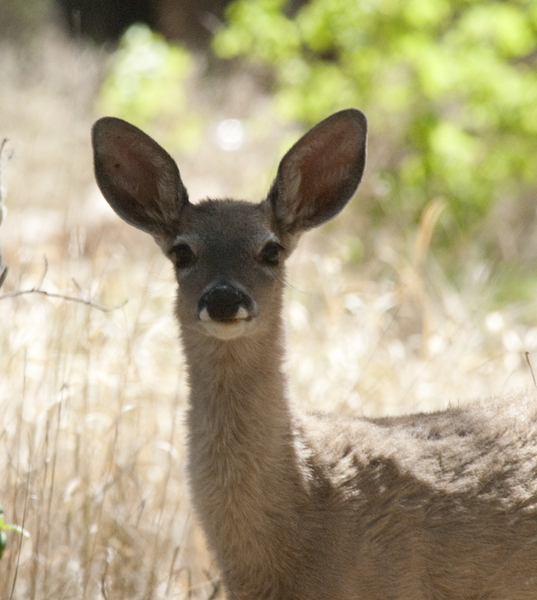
91 402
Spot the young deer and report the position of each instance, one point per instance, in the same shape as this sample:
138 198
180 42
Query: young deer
317 507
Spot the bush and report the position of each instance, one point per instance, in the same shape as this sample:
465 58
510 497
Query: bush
449 86
145 84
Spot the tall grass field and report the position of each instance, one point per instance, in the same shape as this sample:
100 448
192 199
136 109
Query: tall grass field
92 382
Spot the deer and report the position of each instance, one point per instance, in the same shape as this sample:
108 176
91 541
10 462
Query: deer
299 506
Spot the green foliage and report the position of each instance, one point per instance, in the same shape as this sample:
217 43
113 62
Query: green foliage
5 527
449 86
145 85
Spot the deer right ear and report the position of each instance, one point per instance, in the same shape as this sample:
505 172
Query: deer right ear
138 178
320 173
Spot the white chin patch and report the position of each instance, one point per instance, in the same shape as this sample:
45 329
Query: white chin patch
225 330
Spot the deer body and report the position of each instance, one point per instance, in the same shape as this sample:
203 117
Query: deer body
317 507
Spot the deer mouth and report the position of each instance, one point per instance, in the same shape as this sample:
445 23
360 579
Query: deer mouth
228 329
242 314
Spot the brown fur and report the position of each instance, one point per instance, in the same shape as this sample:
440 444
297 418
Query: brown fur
317 507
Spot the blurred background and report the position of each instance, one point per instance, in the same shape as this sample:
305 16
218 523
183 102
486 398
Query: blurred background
420 294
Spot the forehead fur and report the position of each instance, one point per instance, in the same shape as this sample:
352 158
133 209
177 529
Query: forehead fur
229 218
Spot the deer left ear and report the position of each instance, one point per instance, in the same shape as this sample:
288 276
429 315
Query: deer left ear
320 173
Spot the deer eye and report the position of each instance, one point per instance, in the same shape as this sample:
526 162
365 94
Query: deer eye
270 254
182 256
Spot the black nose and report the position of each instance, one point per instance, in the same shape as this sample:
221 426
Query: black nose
224 303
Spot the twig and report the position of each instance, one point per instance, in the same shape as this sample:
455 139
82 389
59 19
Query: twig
35 290
38 290
531 368
3 159
78 287
45 271
104 591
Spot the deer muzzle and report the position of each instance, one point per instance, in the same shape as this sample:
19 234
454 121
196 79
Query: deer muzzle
226 304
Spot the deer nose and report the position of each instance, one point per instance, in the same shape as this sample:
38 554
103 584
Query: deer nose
225 303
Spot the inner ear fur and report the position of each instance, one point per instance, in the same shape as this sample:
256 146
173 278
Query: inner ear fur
138 178
320 173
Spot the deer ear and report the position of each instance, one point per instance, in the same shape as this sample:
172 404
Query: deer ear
321 172
138 178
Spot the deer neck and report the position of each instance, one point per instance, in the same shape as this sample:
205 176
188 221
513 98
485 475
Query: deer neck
244 474
238 397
